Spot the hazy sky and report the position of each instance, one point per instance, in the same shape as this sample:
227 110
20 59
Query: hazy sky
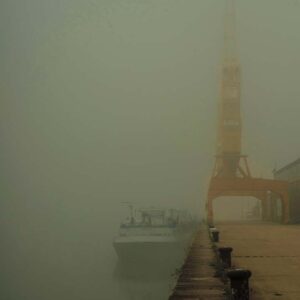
117 100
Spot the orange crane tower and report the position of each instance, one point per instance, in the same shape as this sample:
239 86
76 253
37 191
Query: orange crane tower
229 126
231 175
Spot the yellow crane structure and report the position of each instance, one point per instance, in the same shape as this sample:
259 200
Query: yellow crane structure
231 175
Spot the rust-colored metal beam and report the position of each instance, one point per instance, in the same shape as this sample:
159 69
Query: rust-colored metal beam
248 187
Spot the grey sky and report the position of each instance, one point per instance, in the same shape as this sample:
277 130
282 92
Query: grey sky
117 99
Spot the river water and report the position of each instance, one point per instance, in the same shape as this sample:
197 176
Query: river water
69 255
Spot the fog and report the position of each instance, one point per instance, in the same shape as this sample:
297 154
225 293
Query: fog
104 102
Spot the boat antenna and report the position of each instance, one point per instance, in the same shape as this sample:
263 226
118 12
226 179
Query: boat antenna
130 205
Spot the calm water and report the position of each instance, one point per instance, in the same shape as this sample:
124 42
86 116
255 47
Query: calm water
69 255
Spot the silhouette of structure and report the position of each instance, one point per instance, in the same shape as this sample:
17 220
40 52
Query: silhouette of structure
290 173
231 175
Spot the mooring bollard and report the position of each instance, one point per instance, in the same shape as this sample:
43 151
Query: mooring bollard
239 282
214 234
225 256
210 229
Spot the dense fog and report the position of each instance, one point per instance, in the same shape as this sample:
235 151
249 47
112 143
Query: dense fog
105 102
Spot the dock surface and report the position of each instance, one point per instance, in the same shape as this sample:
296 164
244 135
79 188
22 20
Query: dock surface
271 252
197 278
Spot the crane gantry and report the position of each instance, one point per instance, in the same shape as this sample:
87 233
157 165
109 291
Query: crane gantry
231 175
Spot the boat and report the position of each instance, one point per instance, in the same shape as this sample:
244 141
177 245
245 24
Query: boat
153 235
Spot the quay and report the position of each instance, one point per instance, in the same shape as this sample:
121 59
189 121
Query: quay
270 251
197 278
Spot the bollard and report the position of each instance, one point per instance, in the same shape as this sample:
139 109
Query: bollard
211 229
239 283
214 234
225 255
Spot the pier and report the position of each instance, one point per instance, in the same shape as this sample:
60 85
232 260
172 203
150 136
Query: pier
197 278
269 250
272 253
